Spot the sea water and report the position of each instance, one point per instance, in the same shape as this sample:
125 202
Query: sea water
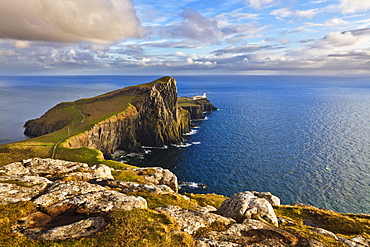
304 139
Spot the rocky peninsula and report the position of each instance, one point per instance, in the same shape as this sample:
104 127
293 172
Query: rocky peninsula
83 199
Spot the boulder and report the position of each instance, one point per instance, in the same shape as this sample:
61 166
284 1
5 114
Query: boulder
245 205
57 169
252 233
82 228
60 191
191 220
325 233
15 188
85 198
158 176
131 187
202 242
274 200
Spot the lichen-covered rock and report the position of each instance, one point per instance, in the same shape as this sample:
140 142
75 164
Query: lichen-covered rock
158 176
57 169
131 187
104 201
82 228
253 232
15 168
15 188
191 220
245 205
274 200
202 242
62 190
325 233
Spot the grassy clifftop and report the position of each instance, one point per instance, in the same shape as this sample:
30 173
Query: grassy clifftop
69 119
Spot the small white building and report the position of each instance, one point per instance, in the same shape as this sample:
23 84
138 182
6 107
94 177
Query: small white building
204 96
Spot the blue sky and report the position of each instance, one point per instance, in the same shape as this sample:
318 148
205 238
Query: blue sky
185 37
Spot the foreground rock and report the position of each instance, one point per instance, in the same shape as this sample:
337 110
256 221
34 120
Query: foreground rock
247 205
74 200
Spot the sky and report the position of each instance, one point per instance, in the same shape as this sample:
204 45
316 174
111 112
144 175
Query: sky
172 37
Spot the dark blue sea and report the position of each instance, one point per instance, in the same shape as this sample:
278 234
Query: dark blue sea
304 139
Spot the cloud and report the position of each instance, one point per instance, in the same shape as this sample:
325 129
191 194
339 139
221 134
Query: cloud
354 6
259 4
242 49
285 13
99 21
194 27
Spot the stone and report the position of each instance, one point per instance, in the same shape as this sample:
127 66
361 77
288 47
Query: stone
245 205
325 233
15 188
191 220
253 232
63 190
348 242
361 240
82 228
15 168
211 243
85 198
158 176
274 200
131 187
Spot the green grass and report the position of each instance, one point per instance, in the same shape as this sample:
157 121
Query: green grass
125 228
341 224
208 199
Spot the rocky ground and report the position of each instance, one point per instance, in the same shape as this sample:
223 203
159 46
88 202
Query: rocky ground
73 201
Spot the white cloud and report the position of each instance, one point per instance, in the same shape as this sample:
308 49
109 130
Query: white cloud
354 6
259 4
342 39
100 21
194 27
282 12
285 13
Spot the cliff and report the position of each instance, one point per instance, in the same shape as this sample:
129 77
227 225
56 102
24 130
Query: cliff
125 119
196 106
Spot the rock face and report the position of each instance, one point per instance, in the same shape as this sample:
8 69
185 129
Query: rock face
198 107
152 119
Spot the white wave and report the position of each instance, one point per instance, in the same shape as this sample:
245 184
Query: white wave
195 143
147 147
182 145
192 132
192 185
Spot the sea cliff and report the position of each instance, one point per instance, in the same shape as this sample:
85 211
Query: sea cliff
152 118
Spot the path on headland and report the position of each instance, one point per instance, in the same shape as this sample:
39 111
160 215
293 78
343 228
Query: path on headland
69 134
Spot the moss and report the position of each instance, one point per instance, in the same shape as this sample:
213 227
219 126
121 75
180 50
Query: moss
142 228
9 214
208 199
335 222
155 200
128 175
214 226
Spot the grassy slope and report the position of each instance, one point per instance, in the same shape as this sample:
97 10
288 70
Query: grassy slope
94 109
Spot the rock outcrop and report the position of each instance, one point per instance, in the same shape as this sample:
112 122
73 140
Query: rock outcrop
249 205
72 200
153 118
197 107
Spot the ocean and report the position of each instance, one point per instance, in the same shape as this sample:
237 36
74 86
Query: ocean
303 138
